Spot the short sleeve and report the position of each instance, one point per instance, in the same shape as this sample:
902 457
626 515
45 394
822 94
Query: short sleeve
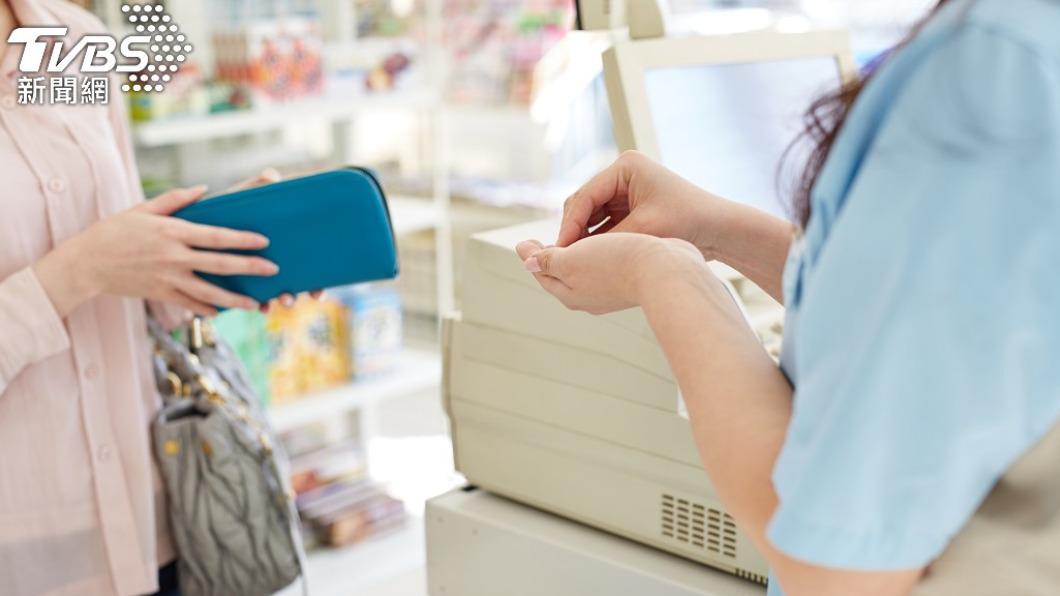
927 356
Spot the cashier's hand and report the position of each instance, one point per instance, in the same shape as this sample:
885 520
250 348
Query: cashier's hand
144 253
637 194
611 272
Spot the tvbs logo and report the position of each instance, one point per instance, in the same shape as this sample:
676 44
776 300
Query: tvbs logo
149 58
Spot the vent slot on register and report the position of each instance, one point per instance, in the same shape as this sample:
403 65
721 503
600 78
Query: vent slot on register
699 526
702 527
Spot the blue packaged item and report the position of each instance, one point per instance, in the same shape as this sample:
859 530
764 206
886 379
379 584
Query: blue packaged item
325 230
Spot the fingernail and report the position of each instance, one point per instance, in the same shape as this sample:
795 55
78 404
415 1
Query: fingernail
288 300
251 305
262 240
532 265
199 189
272 268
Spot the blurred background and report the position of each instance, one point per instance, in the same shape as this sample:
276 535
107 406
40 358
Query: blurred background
476 114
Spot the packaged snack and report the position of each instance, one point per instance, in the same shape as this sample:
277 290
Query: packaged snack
245 332
375 327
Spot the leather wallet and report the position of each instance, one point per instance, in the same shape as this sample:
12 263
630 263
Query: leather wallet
325 230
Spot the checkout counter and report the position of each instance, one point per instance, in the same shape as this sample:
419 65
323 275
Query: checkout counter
480 544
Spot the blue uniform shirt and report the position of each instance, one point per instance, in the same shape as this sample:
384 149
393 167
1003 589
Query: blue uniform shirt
923 334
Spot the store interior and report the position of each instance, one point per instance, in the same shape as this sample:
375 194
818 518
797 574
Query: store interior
476 115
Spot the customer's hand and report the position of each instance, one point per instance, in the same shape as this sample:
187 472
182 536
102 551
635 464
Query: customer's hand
141 252
610 272
640 195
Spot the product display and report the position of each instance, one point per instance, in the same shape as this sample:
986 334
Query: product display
346 512
351 333
374 323
308 348
277 60
496 45
336 500
246 332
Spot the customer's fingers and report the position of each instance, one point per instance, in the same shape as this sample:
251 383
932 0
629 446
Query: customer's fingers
174 200
266 176
208 293
213 237
220 263
188 303
285 300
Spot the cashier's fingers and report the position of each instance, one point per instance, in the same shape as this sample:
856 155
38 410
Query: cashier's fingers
199 289
213 237
557 288
172 201
609 225
527 248
225 264
609 185
597 217
529 251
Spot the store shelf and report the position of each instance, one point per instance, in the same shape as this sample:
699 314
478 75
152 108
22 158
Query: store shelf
375 566
184 129
410 215
417 370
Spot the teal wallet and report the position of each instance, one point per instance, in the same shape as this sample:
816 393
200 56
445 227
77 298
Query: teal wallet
324 230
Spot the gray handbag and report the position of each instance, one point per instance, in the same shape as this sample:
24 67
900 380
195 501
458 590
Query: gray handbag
231 511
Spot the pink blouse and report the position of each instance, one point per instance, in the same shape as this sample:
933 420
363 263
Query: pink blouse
81 505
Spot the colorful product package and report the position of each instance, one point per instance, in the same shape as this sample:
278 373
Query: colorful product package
375 327
321 328
245 332
284 358
279 60
309 346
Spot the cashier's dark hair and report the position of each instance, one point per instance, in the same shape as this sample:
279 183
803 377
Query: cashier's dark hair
821 125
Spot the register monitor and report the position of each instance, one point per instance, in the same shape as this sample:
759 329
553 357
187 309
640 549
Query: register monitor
722 110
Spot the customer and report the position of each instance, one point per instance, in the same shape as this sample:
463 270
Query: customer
912 423
81 505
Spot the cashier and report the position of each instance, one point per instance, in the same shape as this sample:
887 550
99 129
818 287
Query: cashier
908 441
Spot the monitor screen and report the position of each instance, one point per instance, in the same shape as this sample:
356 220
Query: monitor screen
726 127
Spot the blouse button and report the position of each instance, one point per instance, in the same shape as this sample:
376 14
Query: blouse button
56 185
91 372
104 453
8 102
